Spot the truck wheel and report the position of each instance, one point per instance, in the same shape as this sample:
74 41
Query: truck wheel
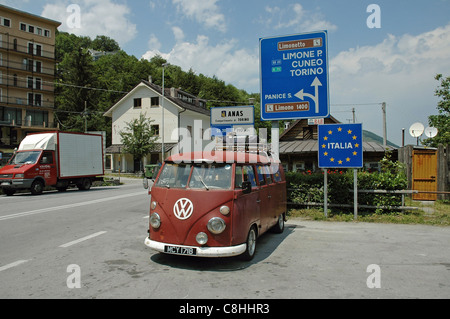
251 245
85 184
37 188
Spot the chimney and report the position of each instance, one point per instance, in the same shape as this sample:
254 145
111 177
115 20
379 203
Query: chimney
150 78
172 92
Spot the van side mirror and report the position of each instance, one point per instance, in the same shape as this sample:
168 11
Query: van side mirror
246 187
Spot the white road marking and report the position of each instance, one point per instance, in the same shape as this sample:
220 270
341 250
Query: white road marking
12 265
51 209
82 239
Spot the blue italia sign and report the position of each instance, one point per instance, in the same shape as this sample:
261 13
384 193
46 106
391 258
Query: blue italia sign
294 77
340 146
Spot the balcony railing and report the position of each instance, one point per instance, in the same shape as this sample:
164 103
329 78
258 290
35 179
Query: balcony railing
35 100
28 65
32 49
32 83
29 123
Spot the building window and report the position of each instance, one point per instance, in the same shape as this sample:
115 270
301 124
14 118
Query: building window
23 27
30 82
155 130
154 101
34 99
37 84
137 103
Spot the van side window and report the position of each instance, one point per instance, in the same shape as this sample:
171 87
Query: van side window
244 174
268 174
277 174
250 174
261 175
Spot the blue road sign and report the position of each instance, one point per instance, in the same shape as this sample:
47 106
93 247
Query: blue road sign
294 77
340 146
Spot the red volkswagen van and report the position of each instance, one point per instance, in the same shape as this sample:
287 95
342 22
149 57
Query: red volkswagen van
216 204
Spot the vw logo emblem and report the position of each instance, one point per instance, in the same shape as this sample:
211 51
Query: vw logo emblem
183 209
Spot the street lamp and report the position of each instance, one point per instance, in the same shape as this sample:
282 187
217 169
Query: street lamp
162 105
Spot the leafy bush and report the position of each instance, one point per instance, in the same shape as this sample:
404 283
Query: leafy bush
309 187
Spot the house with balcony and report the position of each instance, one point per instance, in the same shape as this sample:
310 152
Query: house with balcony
186 118
27 75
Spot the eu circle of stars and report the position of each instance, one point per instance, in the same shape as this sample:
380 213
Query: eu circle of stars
340 146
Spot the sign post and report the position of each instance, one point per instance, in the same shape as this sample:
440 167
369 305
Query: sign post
341 146
294 77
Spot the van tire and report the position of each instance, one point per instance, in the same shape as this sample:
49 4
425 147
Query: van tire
251 245
278 228
37 187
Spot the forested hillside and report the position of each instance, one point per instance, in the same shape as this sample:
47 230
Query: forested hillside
86 88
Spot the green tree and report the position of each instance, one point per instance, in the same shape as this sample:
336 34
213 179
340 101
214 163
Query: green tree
74 77
104 43
441 121
138 138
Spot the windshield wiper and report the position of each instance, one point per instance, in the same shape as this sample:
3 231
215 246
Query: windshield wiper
201 179
206 186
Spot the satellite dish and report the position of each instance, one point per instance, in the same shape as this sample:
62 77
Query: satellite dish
416 130
431 132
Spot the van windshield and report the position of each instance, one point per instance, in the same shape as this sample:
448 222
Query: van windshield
174 175
211 176
25 158
202 176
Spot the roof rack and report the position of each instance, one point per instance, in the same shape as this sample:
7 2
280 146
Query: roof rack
243 143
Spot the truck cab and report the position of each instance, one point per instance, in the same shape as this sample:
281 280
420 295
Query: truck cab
31 169
216 204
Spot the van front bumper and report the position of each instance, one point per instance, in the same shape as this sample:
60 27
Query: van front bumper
200 251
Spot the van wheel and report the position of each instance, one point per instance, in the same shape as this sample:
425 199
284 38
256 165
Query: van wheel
37 188
251 245
279 226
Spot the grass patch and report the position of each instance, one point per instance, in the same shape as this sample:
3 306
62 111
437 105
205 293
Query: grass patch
437 214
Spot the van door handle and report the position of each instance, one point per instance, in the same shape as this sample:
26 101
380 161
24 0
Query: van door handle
269 197
258 201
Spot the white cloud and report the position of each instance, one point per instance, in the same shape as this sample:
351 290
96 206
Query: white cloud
178 33
297 18
153 43
225 60
399 71
99 17
203 11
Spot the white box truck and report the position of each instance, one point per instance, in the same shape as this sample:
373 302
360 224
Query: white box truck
56 159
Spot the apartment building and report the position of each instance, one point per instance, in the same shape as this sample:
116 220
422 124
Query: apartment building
27 74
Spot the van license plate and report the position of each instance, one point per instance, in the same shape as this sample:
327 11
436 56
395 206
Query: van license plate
180 250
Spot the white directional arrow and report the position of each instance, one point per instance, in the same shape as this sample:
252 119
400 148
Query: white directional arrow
301 95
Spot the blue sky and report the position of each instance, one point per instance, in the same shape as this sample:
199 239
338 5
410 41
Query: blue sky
395 64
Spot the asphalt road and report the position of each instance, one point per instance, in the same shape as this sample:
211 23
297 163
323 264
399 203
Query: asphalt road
52 243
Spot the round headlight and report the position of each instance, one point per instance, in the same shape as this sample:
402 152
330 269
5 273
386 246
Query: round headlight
216 225
201 238
225 210
153 205
155 220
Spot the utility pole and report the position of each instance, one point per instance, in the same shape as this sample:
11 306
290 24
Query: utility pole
384 125
85 116
162 106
